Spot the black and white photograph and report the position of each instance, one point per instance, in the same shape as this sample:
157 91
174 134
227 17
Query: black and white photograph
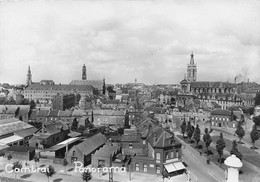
129 90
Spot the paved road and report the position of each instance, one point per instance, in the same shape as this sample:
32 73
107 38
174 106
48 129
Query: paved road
198 172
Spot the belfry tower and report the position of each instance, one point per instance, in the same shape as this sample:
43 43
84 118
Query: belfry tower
192 70
29 77
84 72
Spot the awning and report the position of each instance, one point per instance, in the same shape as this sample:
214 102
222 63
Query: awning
179 165
176 166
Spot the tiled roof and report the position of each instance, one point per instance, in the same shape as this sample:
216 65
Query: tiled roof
132 151
111 101
160 138
26 132
109 112
63 87
131 138
91 144
42 113
33 115
53 113
221 112
95 83
12 125
20 148
207 84
64 113
107 150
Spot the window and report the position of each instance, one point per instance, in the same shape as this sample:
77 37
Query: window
166 155
143 142
158 169
130 145
137 167
101 163
73 159
145 167
172 155
73 153
158 157
177 153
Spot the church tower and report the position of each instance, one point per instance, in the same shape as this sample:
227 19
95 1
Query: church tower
84 72
29 77
192 70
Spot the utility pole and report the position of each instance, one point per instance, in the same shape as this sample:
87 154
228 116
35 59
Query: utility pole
110 170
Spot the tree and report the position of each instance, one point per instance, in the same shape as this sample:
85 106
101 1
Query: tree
50 171
17 112
36 159
43 143
220 145
254 135
207 139
86 175
104 87
17 166
9 157
196 135
32 104
65 163
257 99
235 151
183 128
189 131
74 125
240 131
256 120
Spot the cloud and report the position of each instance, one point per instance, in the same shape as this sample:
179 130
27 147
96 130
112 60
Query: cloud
123 40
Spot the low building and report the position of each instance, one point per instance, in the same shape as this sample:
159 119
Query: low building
83 151
49 135
20 152
15 132
105 156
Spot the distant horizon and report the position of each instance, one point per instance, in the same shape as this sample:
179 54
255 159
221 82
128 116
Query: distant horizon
150 41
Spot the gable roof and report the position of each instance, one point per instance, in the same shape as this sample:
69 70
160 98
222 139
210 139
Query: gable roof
221 112
11 125
53 113
42 113
91 144
107 150
26 132
161 138
64 113
60 87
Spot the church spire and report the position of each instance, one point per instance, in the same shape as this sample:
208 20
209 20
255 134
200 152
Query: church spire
29 76
104 86
84 72
192 58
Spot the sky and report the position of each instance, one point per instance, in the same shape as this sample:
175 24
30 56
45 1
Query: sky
147 40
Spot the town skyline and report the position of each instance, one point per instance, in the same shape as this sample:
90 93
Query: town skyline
123 44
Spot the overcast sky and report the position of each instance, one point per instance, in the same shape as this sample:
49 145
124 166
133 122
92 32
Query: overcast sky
123 40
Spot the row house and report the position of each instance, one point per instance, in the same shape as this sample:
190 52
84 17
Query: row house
154 150
18 111
222 118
